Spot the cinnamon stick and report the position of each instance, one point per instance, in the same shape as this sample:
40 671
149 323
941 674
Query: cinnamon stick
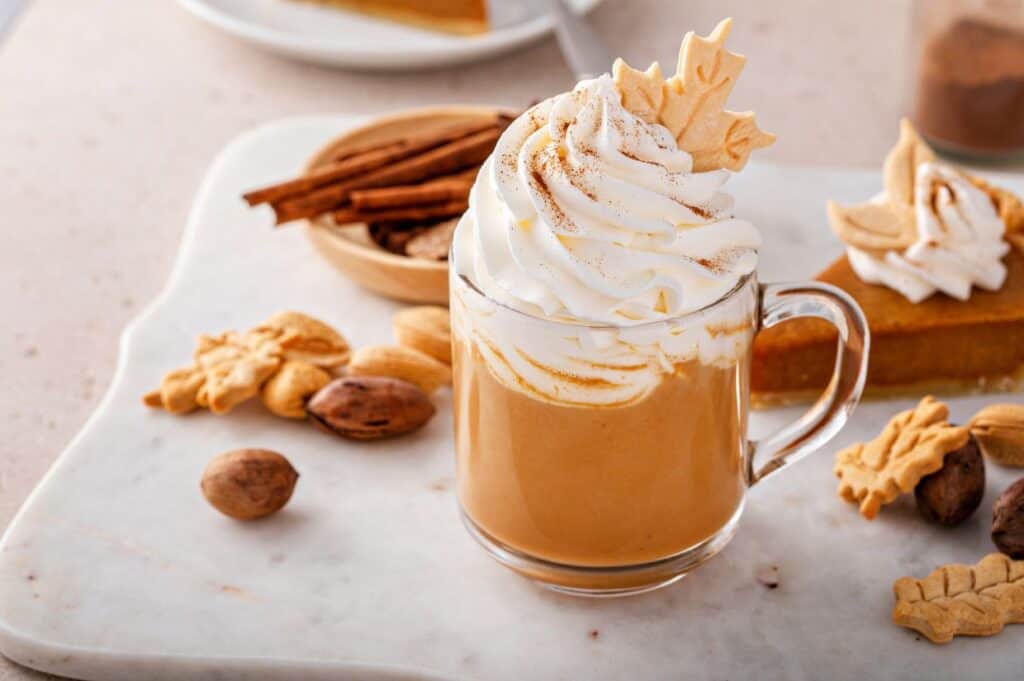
443 160
332 172
366 159
435 191
467 175
448 209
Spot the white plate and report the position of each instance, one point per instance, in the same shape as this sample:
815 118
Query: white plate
342 38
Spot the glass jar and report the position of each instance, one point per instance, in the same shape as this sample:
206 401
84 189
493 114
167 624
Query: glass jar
968 75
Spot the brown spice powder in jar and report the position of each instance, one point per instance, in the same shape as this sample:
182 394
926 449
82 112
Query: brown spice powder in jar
970 93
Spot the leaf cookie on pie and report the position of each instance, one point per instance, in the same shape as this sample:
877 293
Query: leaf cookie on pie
874 227
861 225
1010 209
890 225
900 168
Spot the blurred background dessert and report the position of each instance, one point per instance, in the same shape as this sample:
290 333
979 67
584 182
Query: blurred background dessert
455 16
968 64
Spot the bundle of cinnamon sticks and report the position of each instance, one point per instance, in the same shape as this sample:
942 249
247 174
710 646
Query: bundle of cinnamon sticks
421 178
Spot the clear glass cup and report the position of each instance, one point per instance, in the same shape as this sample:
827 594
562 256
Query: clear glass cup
967 74
595 473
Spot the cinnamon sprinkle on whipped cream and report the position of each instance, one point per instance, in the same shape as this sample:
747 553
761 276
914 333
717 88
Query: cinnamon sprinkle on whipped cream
592 214
601 217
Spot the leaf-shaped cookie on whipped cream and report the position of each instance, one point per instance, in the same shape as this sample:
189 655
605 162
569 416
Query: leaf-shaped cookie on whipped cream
691 104
643 92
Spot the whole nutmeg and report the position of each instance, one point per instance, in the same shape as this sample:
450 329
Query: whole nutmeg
1008 521
248 483
951 494
370 407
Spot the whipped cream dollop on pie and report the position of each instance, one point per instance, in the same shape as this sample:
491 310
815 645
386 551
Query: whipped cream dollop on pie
603 209
933 230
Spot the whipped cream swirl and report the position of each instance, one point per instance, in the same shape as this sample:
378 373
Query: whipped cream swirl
590 217
588 213
959 244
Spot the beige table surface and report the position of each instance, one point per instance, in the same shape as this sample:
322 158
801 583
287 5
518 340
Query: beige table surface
108 119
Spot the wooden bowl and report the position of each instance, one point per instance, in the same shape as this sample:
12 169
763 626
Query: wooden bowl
350 248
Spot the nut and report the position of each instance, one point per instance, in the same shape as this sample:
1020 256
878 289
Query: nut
951 494
286 392
427 329
1008 521
371 407
999 429
248 483
432 243
401 362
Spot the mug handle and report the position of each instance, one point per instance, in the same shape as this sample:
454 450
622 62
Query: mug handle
786 446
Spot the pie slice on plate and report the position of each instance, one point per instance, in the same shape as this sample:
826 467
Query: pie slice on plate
451 16
943 296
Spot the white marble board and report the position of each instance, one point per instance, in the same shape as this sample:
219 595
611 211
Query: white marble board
117 569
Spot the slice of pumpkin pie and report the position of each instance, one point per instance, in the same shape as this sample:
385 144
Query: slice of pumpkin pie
450 16
937 264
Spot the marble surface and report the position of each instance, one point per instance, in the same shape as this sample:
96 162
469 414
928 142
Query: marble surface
109 121
117 569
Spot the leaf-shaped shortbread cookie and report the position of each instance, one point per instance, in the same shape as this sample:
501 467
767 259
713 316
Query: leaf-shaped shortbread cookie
911 446
306 339
233 368
691 104
230 368
962 599
891 225
873 227
1009 207
877 227
900 169
643 92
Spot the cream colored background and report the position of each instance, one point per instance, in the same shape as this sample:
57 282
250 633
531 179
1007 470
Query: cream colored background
108 120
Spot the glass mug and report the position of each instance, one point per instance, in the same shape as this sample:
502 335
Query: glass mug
594 473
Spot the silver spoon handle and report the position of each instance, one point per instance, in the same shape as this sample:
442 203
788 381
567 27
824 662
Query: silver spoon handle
9 11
